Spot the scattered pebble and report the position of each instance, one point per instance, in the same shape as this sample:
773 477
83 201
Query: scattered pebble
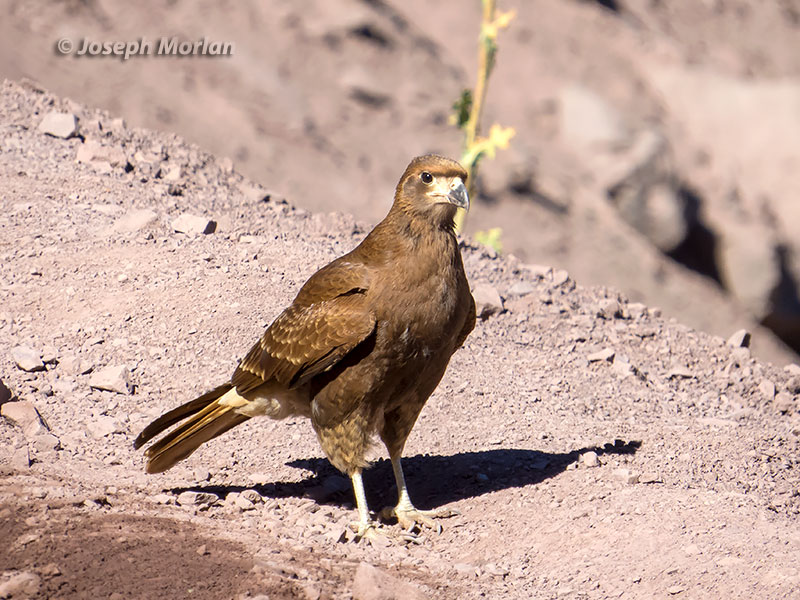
606 354
793 385
190 498
102 426
609 309
740 339
680 372
62 125
767 389
590 459
560 277
46 442
21 458
187 223
135 220
113 378
25 415
22 584
27 359
487 300
637 310
372 583
783 402
521 288
626 476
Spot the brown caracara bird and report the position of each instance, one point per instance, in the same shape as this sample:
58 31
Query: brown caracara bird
361 348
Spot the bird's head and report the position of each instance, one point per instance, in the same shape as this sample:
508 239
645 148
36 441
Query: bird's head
432 187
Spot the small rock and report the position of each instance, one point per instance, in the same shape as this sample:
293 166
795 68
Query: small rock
606 354
793 385
73 365
609 309
311 591
590 459
202 550
560 277
674 590
371 583
190 498
163 499
783 402
767 389
243 503
102 426
135 220
25 415
51 570
626 476
495 570
27 359
679 372
487 300
650 478
21 585
792 369
539 271
740 339
636 310
113 378
521 288
62 125
174 174
741 355
21 459
46 442
252 495
622 367
187 223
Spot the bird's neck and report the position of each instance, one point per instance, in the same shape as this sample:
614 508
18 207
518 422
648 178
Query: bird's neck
406 232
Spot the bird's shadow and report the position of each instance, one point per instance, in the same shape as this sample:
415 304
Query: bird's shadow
432 480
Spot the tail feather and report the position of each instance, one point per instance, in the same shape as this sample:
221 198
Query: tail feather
205 418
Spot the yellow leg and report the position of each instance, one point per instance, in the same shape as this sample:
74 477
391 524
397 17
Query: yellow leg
407 515
365 525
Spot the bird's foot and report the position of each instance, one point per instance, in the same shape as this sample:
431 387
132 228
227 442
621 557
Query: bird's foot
368 531
413 520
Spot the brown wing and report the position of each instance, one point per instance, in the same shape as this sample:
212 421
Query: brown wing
469 323
326 321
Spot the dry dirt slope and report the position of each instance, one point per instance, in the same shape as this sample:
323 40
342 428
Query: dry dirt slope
668 467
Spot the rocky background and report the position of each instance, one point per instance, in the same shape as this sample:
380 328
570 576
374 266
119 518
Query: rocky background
593 445
656 146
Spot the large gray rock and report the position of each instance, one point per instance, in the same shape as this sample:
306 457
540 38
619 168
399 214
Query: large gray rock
27 359
63 125
113 378
24 414
372 583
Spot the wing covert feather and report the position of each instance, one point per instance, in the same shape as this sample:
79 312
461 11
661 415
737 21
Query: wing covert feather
326 321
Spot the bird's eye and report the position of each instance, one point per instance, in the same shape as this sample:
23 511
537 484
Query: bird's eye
426 177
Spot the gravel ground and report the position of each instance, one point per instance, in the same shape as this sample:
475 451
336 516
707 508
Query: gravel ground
592 448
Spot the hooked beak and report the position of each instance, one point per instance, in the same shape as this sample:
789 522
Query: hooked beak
458 194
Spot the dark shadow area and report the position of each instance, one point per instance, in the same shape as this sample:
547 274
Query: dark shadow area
698 250
433 481
611 5
784 320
